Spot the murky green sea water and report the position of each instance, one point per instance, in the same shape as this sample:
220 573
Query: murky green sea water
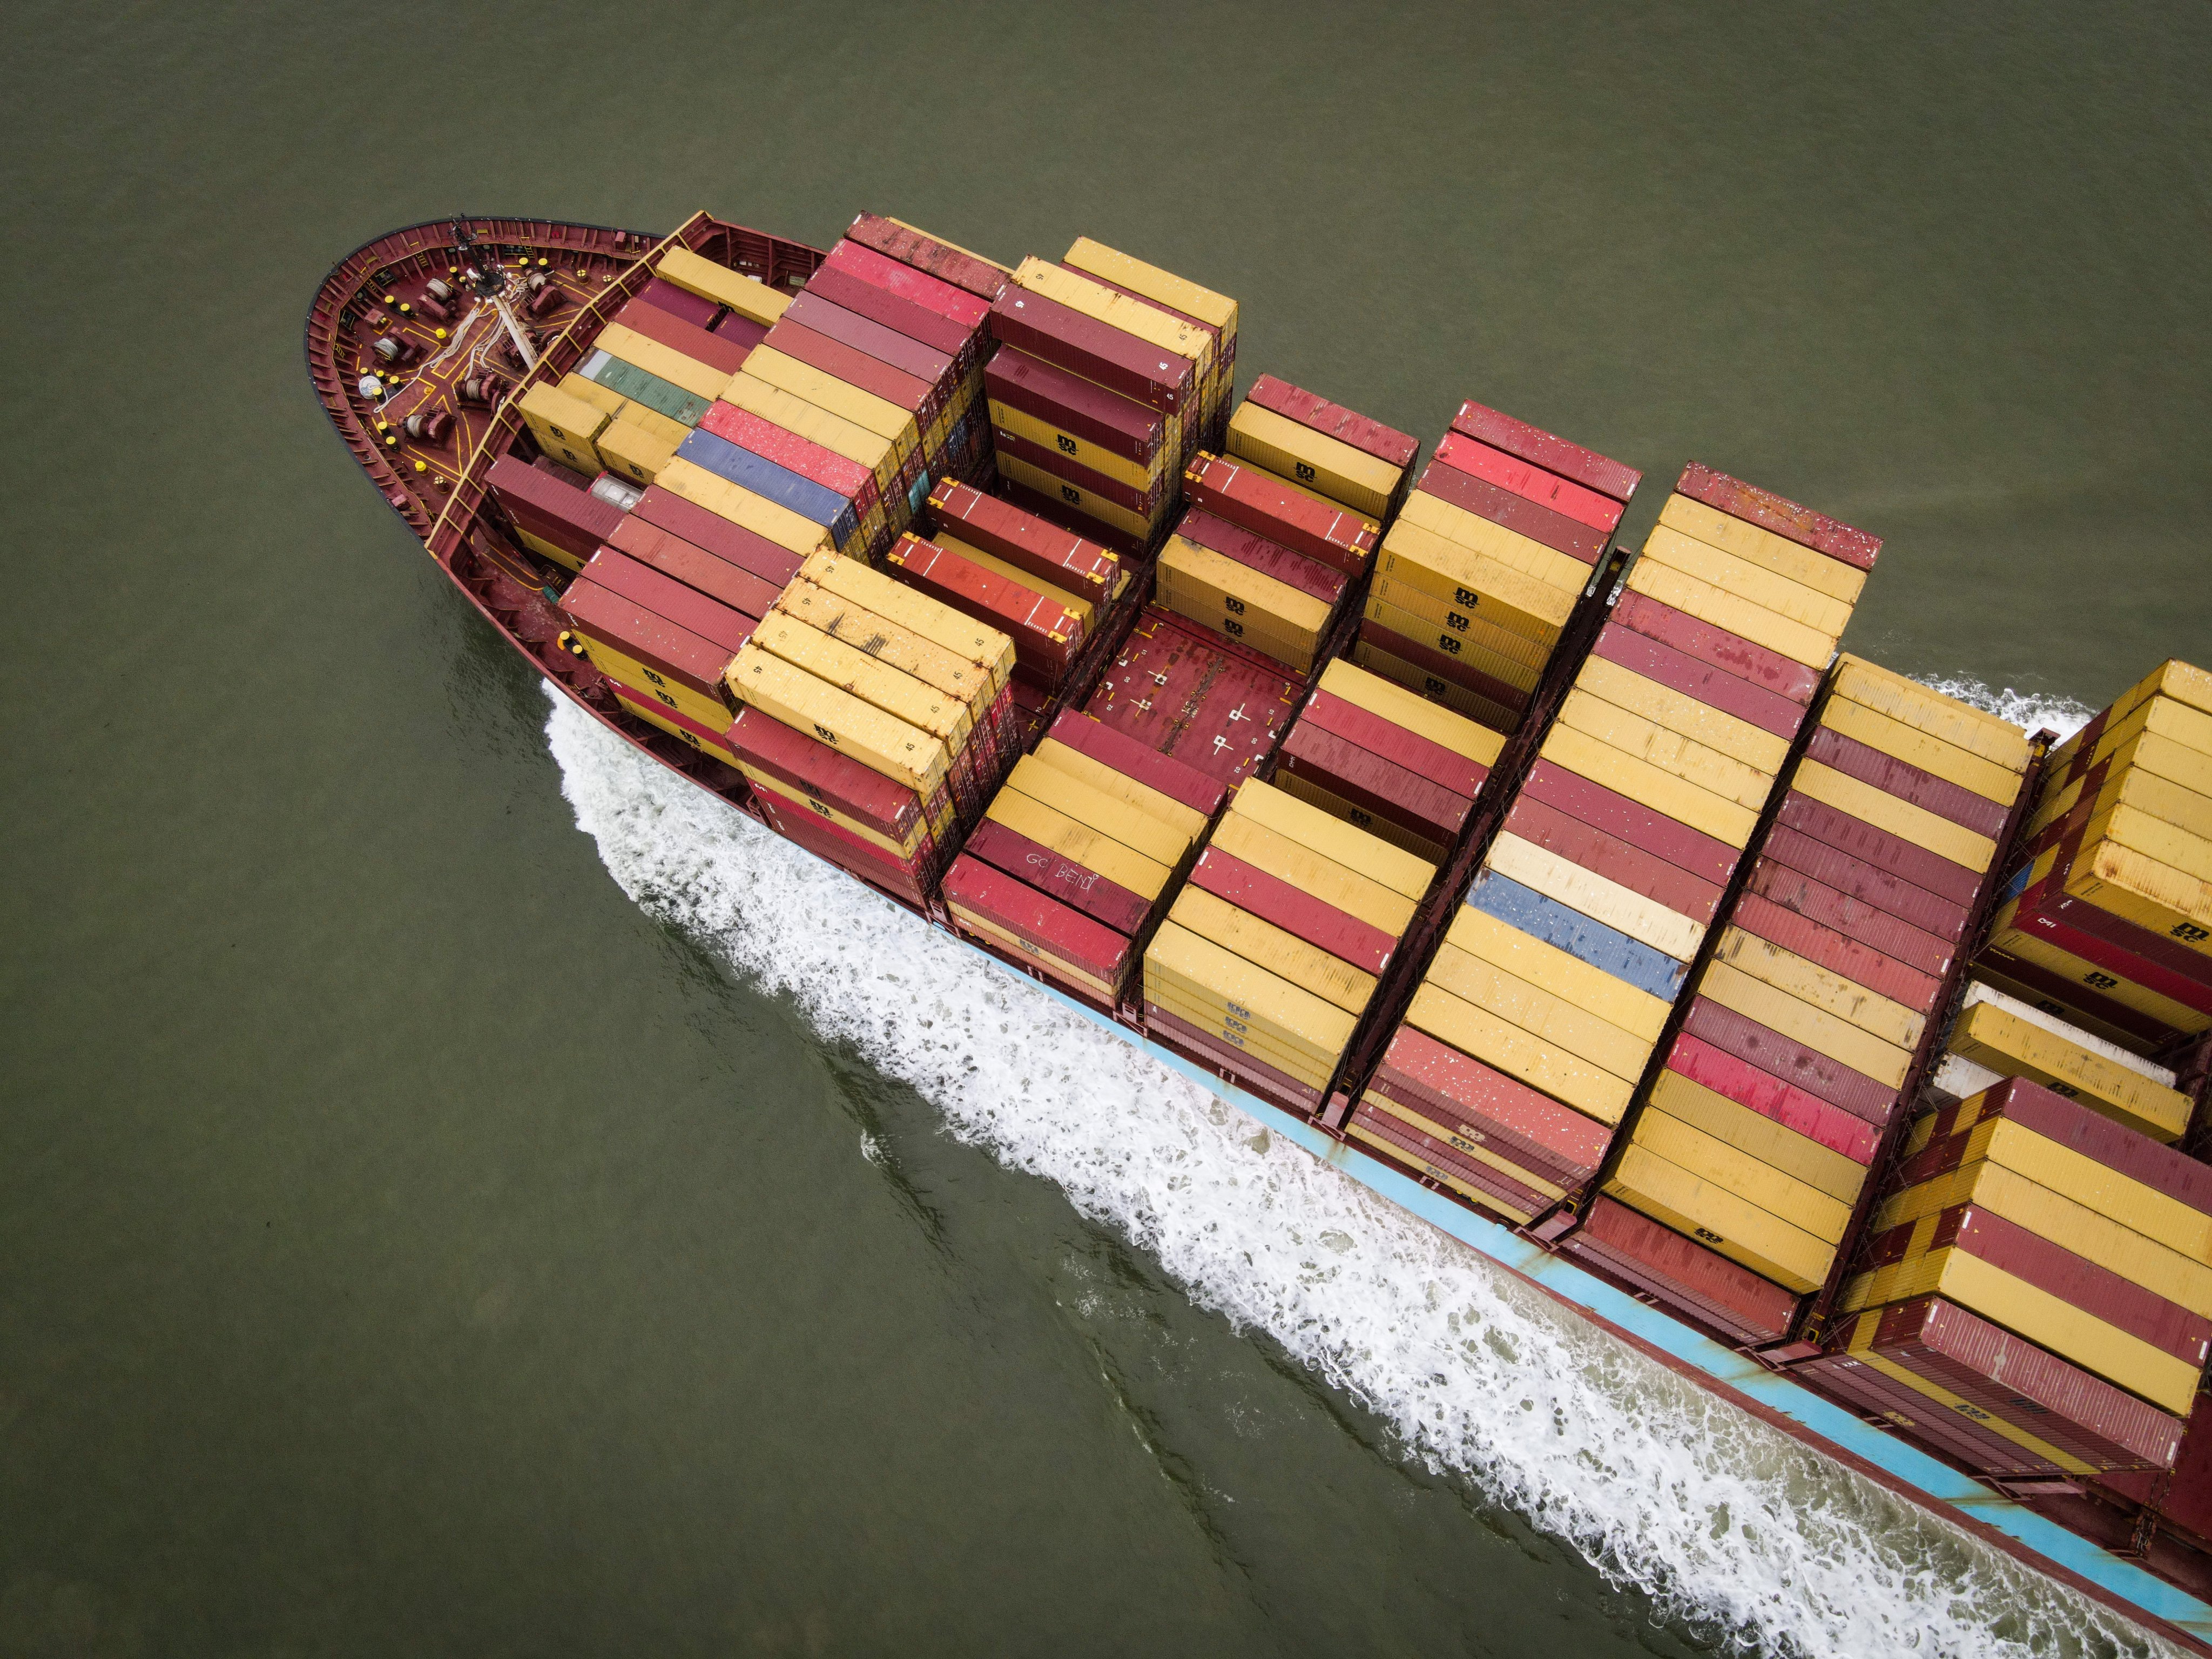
409 1244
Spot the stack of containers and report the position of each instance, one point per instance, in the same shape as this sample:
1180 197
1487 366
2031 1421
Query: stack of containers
1558 973
1998 1035
1269 956
555 516
1262 579
2109 918
862 669
666 355
1069 866
2035 1296
1387 761
1482 569
1183 691
1758 1134
1101 388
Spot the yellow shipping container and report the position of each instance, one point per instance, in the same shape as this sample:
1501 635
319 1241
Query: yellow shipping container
631 452
741 507
2145 791
1465 622
1315 873
1900 817
2160 717
1265 945
2156 839
1793 640
795 414
567 429
1499 1042
1313 829
546 549
1081 451
1663 790
654 358
1089 502
1764 548
1996 1038
961 634
643 708
2033 948
625 670
1816 1028
1094 850
1234 619
1926 709
1099 811
963 682
1433 535
1250 991
1452 1138
1509 659
1147 322
1621 908
1537 1011
1700 722
1685 1200
768 783
1185 821
1735 1170
1755 582
1469 704
825 390
1444 1177
1364 483
879 741
2146 892
592 392
1300 614
1360 818
1799 1157
1916 748
1389 701
875 681
743 294
1716 774
1566 976
1164 287
1892 1022
1211 1017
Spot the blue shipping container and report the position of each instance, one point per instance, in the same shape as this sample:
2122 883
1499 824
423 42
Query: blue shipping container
1582 937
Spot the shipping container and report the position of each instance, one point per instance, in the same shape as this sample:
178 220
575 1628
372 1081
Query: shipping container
1548 489
1555 454
1746 540
1386 444
1172 690
1045 329
1046 634
1785 517
1258 501
716 351
1682 1274
947 261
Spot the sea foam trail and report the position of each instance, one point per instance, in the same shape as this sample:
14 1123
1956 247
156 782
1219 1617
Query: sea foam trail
1734 1528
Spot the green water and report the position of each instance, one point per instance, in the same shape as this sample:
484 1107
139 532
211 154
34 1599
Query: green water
409 1244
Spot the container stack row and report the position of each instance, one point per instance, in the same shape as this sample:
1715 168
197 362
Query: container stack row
1076 853
1556 979
1109 375
1758 1134
2034 1298
2109 918
1485 563
1271 952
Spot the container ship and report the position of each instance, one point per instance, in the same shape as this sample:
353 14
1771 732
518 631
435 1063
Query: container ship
1837 1044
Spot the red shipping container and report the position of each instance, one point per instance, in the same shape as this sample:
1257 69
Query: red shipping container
816 769
933 367
1815 1073
2047 1113
1906 861
2052 1268
1853 918
1212 330
957 266
1585 466
669 553
794 453
1863 881
1046 634
1073 520
879 305
1434 1157
1859 963
837 845
1614 859
528 520
1546 489
2096 935
1683 1273
582 520
1258 501
1120 362
1717 646
1270 558
652 641
2183 1503
1335 420
1771 1097
955 305
1715 688
693 309
664 596
1461 1093
1907 782
1059 878
1706 857
1912 1415
1145 503
855 369
1516 513
1381 788
1422 757
716 351
1132 759
2021 1384
1273 900
1445 667
742 330
1215 1048
2055 993
725 540
1022 539
1785 518
1053 929
1120 426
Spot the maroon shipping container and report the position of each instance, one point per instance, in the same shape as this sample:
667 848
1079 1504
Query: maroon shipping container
1853 918
1717 646
582 520
793 453
855 367
1615 859
1049 927
1908 782
1463 1095
1027 542
1087 736
942 260
1585 466
816 769
1913 1414
1381 789
1120 362
2104 940
671 556
1120 426
1906 861
1706 857
725 540
1059 878
955 305
2183 1504
1335 420
2052 1268
1046 634
716 351
1273 900
1817 1074
1516 513
1422 757
1785 518
1073 519
837 845
1715 688
1442 665
1440 1160
1860 964
2051 1115
1270 558
938 333
651 640
933 367
736 326
1546 488
1258 501
1847 873
1220 1049
1771 1097
693 309
2019 1384
1176 689
2055 993
1145 503
1683 1273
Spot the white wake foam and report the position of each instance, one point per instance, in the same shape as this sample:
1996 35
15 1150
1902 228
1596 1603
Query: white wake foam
1737 1531
2029 710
